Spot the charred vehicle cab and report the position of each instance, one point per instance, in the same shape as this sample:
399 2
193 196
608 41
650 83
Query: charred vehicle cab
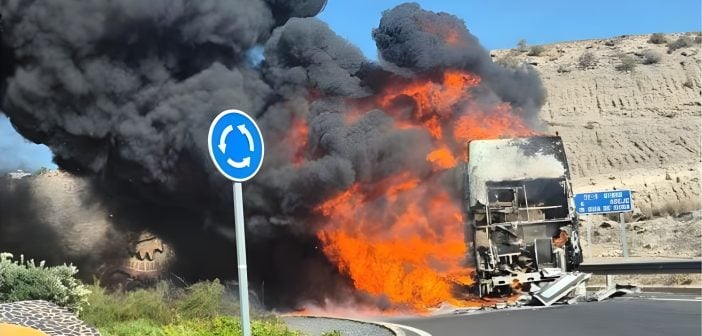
521 224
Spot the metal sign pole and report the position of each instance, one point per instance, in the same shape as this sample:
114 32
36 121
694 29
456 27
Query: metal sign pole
623 235
238 161
589 234
241 259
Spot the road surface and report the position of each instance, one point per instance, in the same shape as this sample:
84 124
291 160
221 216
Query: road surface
640 315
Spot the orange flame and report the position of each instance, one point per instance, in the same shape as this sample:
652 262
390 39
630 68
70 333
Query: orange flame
499 122
402 238
441 159
405 243
431 98
297 139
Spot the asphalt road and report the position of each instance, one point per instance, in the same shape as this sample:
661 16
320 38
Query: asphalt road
641 315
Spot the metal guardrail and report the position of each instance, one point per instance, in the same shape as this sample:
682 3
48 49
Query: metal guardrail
644 267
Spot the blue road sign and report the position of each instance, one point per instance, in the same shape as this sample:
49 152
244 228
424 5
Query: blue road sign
236 145
603 202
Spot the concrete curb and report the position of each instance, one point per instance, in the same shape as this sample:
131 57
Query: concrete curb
395 330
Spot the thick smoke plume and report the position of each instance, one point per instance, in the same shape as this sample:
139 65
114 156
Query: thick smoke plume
124 91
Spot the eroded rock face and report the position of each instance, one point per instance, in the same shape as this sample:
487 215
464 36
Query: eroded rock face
635 129
58 217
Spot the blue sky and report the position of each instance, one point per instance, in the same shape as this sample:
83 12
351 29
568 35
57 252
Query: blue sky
501 23
498 24
18 153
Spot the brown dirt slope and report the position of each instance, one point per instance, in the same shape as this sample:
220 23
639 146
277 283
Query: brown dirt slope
635 129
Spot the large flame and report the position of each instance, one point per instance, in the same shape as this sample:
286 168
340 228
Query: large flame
402 238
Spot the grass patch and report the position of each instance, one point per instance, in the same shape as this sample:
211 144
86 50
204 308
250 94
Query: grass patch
105 309
142 327
199 310
226 326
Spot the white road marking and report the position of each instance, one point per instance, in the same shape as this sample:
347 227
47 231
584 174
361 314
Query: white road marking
419 332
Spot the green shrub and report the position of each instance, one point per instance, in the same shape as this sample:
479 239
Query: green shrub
202 300
20 280
199 310
106 309
657 38
141 327
161 304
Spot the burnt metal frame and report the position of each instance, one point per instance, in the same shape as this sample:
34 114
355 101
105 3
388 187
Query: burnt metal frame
493 254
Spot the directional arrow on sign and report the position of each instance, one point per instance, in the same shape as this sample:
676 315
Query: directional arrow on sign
242 128
240 164
222 139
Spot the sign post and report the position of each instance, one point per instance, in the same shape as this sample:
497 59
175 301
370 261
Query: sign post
602 202
236 148
589 234
622 230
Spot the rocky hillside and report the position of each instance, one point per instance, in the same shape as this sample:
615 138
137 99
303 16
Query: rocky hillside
55 217
629 111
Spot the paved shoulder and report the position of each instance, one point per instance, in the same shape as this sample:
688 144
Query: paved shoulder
646 315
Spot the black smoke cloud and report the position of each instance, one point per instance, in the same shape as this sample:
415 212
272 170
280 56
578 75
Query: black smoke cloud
414 39
124 91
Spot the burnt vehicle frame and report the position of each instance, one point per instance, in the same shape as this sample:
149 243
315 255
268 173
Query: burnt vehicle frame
521 228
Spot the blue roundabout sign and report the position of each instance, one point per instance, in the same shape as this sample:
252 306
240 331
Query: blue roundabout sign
236 145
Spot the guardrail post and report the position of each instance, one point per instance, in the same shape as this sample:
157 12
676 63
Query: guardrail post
609 282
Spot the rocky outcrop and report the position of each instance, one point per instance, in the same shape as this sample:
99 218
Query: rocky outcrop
58 217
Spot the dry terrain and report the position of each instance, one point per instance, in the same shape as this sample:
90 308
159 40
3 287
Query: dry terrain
637 129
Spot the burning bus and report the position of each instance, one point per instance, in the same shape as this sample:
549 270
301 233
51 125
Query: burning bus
521 225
